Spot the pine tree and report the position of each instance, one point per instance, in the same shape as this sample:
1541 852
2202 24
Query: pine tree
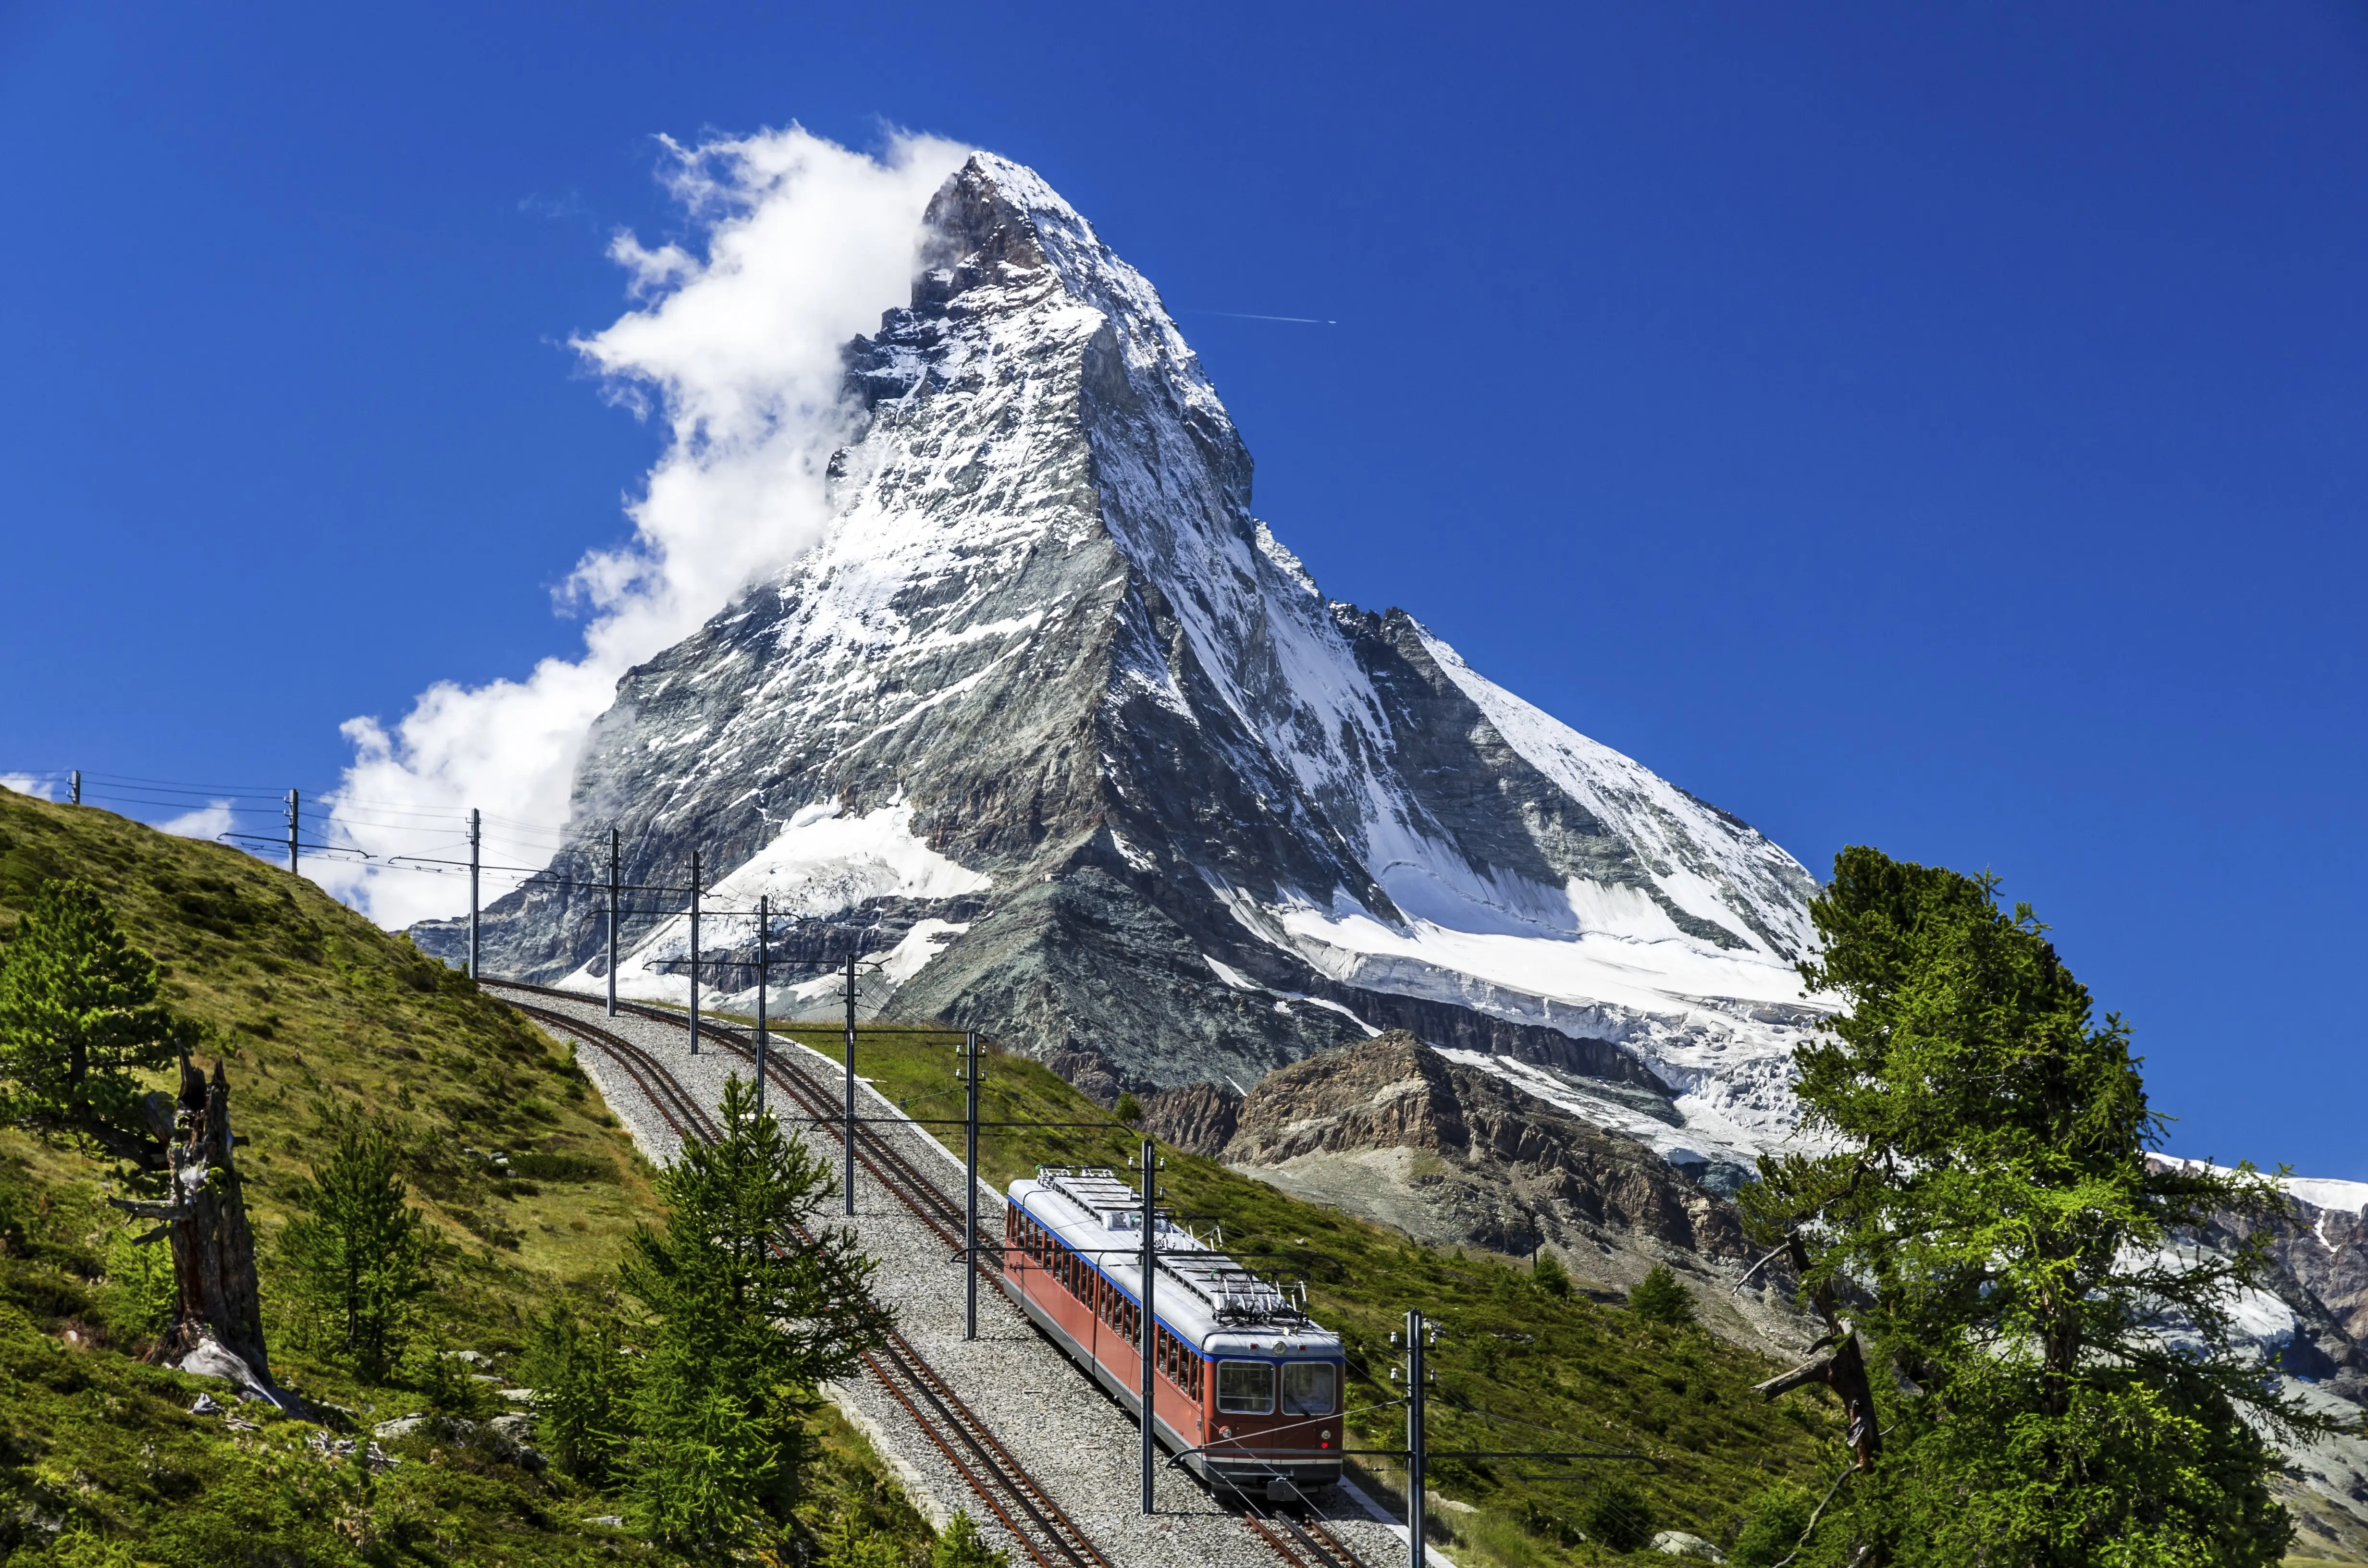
79 1021
749 1307
1659 1297
358 1249
1991 1238
583 1387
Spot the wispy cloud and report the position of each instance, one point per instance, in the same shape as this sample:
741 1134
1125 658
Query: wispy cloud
207 822
28 784
799 244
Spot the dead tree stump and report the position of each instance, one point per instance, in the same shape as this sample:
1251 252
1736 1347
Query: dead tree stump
215 1294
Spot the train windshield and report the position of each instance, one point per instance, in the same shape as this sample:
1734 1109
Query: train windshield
1307 1388
1245 1387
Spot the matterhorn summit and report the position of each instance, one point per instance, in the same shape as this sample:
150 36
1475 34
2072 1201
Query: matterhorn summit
1063 740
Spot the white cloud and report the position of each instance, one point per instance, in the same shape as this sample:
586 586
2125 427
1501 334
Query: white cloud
28 784
210 820
800 244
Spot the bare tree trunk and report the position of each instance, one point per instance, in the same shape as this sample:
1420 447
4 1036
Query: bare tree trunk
1841 1367
215 1295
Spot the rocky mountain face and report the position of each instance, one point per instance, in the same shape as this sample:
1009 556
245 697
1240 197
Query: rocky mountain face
1070 748
2312 1328
1393 1131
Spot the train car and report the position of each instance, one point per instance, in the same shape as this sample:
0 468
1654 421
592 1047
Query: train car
1248 1390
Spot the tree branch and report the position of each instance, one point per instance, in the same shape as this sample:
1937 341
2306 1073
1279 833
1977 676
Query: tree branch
1806 1531
1817 1370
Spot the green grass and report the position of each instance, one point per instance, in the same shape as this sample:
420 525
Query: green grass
1518 1369
318 1017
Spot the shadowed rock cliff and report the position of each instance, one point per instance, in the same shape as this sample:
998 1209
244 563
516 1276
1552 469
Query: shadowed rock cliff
1391 1130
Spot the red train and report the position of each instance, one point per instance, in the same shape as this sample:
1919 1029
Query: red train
1248 1390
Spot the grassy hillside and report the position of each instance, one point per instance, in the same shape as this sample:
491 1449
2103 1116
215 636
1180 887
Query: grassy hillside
1518 1369
319 1017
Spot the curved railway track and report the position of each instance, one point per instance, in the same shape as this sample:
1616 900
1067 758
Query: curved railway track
999 1479
1048 1534
941 1211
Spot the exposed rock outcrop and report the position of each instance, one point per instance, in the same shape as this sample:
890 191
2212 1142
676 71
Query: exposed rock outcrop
1391 1130
1199 1118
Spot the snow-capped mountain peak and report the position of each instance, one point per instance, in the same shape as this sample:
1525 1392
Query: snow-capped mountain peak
1058 703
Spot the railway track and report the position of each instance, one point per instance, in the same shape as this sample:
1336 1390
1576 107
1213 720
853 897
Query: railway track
941 1211
1304 1543
1049 1536
940 1415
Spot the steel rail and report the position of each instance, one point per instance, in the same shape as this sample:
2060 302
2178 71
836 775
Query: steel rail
1330 1547
1308 1544
930 1203
1049 1536
958 1419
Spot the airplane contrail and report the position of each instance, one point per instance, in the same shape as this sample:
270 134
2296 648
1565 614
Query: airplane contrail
1245 315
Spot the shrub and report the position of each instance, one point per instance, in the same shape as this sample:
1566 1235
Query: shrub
1659 1297
1550 1276
140 1292
1777 1521
958 1546
536 1165
1618 1516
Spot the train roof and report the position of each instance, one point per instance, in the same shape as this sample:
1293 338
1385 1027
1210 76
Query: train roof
1201 1291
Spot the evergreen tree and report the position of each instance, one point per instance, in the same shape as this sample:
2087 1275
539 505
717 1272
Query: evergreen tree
749 1307
79 1021
1990 1222
1550 1276
1659 1297
358 1250
582 1384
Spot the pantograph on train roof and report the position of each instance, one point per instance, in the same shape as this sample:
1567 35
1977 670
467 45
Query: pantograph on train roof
1236 1296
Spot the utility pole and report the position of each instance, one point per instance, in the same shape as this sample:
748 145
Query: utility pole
73 788
1415 1330
1150 1345
847 1177
614 886
476 838
694 952
969 1076
764 921
293 811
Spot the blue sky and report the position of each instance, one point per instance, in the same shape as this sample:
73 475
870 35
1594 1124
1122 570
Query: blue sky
1934 426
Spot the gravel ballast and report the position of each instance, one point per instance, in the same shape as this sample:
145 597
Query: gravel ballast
1077 1443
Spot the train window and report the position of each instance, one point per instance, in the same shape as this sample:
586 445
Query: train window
1307 1388
1245 1387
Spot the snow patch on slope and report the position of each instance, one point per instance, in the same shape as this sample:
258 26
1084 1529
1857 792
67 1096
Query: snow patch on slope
822 862
1710 865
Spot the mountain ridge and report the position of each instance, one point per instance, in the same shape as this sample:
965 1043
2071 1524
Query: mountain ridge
1059 737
